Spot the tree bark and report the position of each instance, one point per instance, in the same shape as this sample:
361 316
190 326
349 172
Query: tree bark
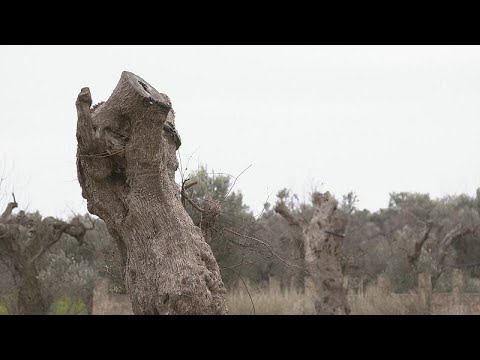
322 238
321 243
126 166
30 300
24 240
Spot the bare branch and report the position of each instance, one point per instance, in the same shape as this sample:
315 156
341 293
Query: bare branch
242 263
45 247
8 211
267 246
246 288
183 194
415 255
234 182
193 203
75 229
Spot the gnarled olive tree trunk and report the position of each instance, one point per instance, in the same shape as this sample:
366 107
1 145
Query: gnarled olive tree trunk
126 165
24 239
29 300
321 243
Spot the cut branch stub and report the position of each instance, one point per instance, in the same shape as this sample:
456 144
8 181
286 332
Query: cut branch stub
126 166
7 213
283 210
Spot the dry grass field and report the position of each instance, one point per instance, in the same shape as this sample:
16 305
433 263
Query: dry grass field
271 300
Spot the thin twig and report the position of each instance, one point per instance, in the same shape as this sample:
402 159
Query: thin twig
193 203
236 181
246 288
181 166
265 245
190 157
242 263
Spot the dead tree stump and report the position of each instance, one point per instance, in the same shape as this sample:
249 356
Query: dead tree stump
126 162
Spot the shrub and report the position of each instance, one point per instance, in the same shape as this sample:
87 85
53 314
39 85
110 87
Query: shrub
68 306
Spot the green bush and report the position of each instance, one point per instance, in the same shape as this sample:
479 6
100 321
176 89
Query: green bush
68 306
3 310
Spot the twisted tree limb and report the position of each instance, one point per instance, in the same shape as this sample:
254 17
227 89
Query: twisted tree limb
450 237
417 248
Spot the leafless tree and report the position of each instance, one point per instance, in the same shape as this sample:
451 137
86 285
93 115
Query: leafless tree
126 162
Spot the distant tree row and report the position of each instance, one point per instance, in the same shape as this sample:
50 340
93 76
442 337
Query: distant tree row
413 234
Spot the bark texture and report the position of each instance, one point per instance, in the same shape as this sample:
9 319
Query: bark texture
126 166
24 239
321 238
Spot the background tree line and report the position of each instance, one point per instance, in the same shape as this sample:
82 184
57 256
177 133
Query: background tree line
413 234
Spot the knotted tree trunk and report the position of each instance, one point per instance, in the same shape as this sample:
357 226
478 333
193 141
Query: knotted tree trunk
321 243
126 166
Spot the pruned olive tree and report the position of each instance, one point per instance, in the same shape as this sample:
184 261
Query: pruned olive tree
321 236
24 239
126 163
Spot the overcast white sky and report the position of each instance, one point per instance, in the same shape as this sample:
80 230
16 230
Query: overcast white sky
373 119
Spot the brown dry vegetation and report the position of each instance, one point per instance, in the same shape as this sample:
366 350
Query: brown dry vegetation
271 300
377 302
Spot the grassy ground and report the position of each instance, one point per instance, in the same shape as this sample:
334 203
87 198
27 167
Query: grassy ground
3 309
270 300
63 306
376 302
